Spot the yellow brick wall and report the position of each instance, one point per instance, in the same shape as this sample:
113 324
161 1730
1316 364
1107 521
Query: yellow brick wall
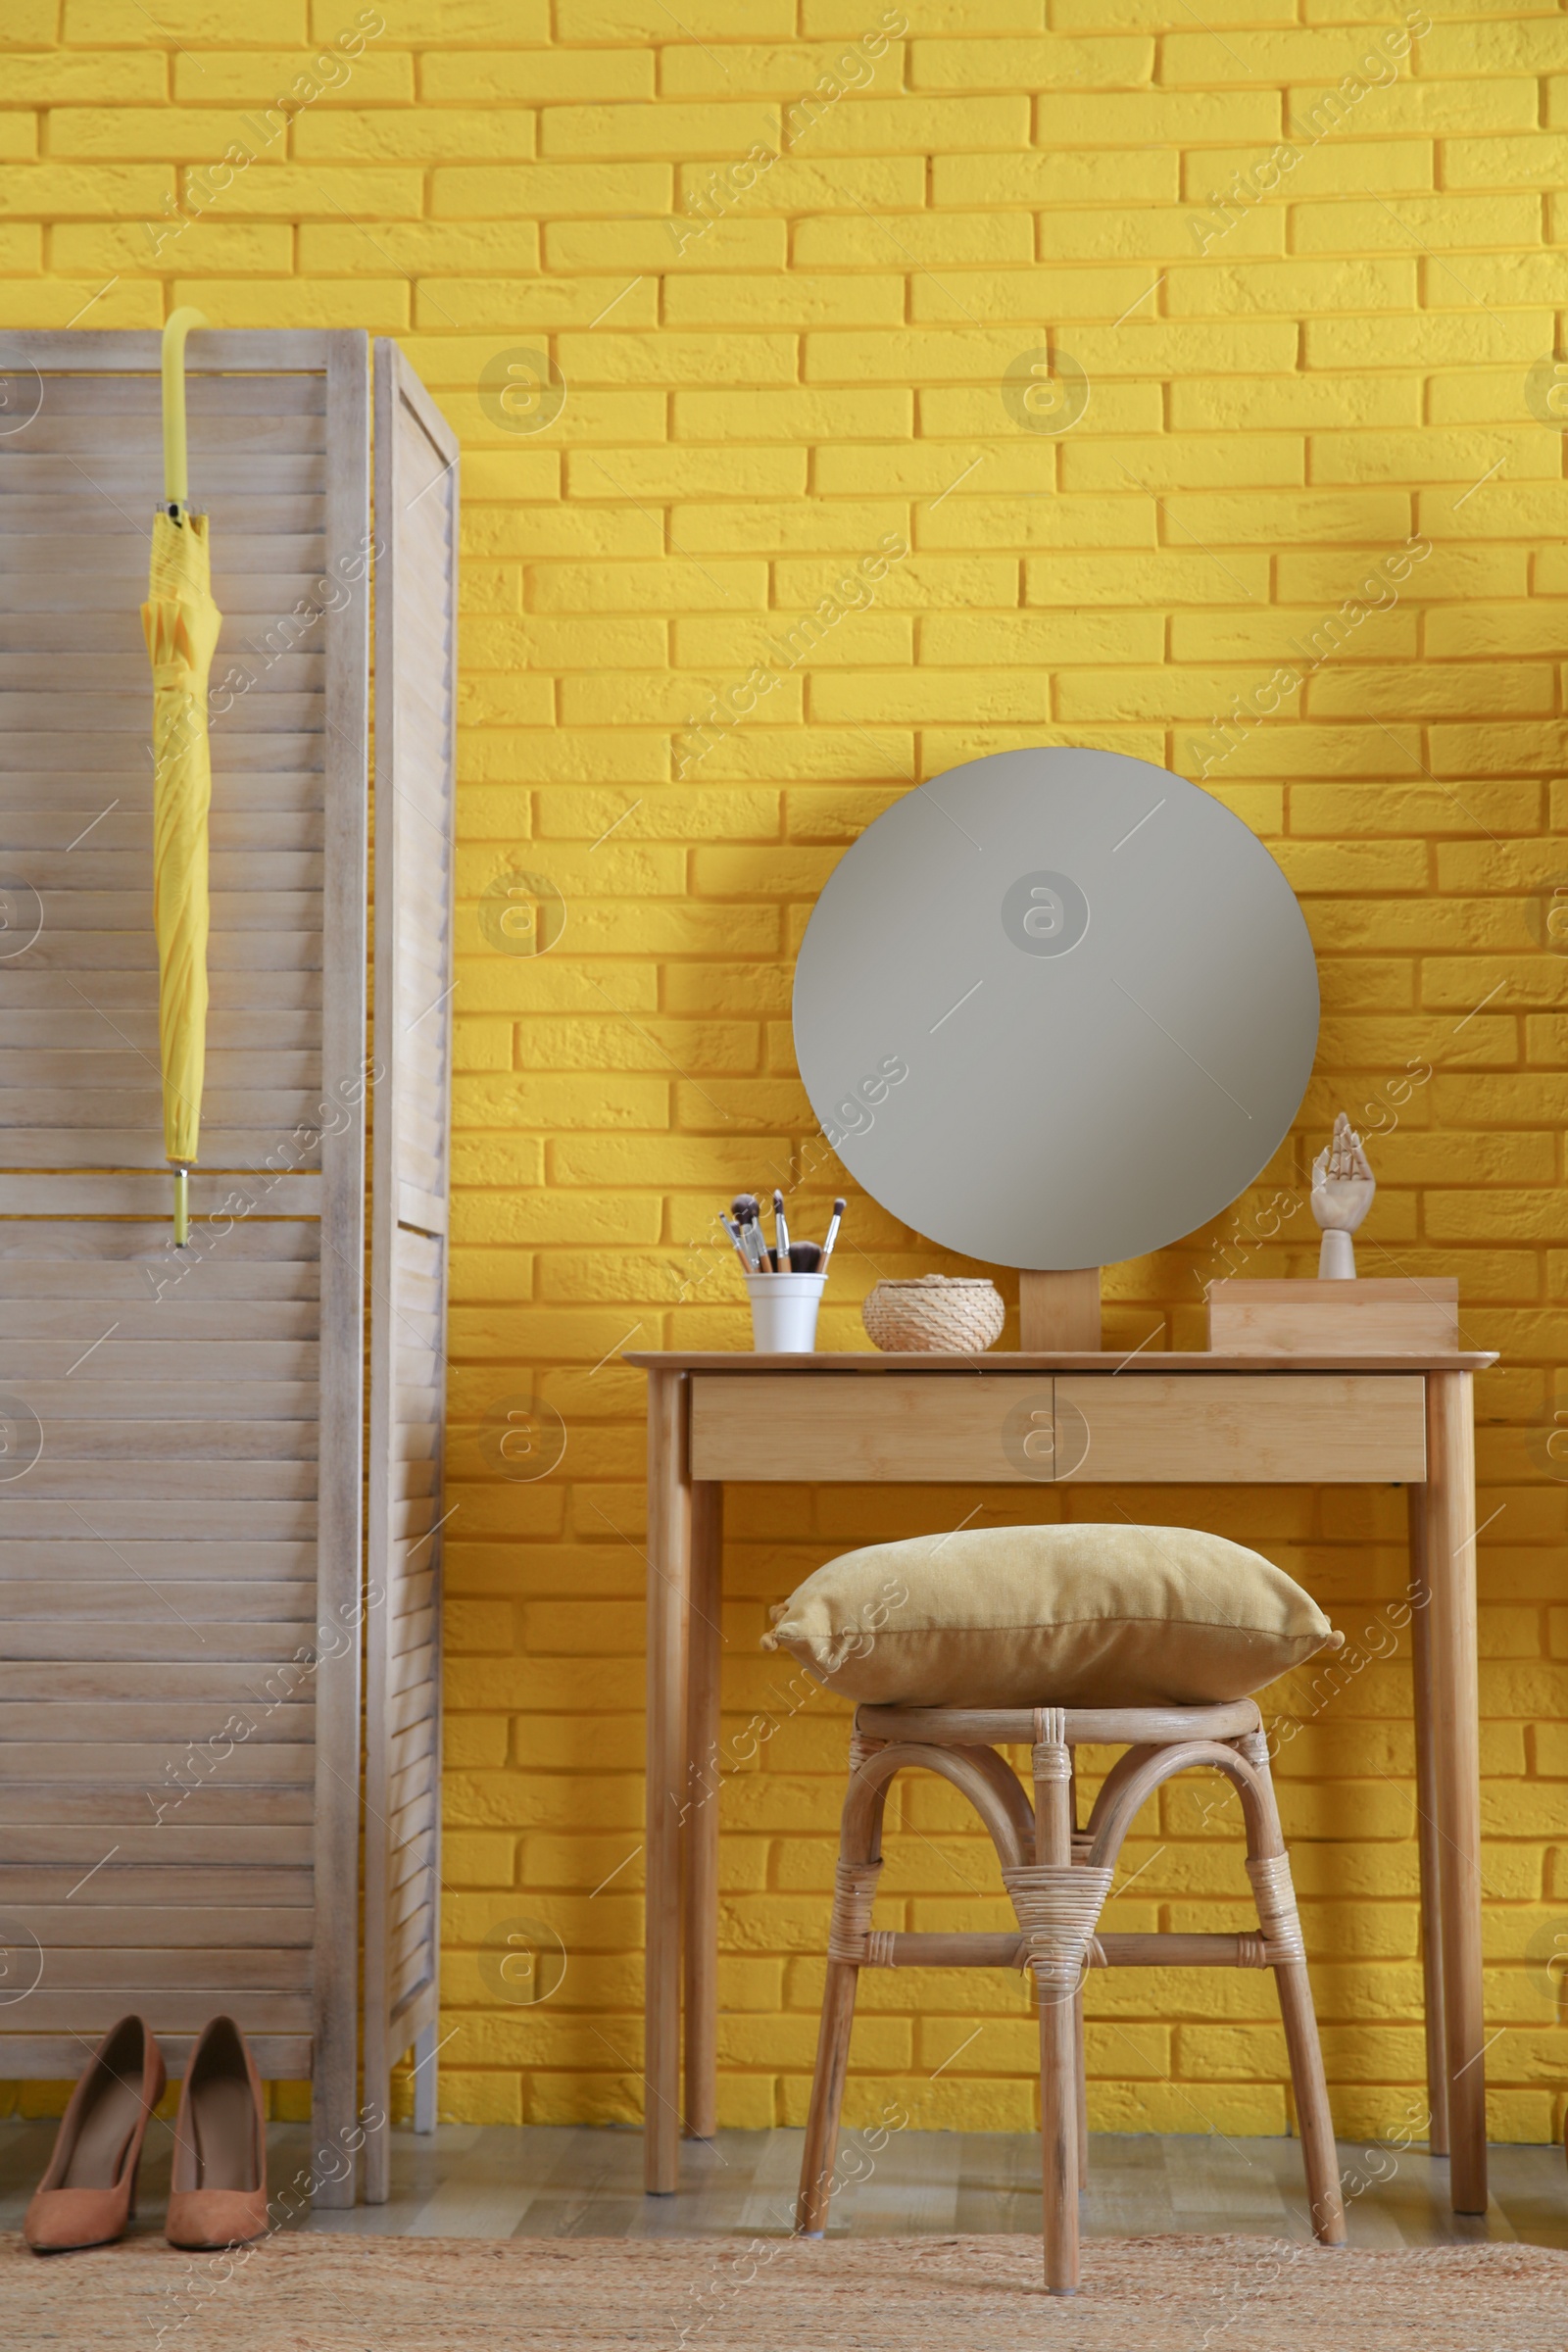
1315 332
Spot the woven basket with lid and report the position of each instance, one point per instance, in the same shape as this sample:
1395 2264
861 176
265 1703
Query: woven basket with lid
958 1315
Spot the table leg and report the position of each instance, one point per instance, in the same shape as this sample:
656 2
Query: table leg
1058 2031
1428 1842
669 1550
1456 1710
704 1643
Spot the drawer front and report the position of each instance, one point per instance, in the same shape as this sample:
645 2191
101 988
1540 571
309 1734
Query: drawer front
1277 1428
923 1427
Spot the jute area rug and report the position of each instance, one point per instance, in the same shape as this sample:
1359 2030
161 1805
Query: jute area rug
328 2293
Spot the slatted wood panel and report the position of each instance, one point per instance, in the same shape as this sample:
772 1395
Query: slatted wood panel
415 625
179 1569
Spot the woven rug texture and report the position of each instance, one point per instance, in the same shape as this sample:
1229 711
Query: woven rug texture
342 2294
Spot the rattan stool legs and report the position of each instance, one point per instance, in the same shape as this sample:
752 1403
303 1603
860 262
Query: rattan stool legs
1059 1878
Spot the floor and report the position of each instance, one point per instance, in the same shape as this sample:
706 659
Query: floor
465 2180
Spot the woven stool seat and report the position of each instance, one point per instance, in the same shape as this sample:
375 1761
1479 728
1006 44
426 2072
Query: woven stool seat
1014 1727
1058 1875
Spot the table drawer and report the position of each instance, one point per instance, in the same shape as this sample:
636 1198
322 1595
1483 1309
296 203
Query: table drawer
1009 1428
925 1428
1276 1428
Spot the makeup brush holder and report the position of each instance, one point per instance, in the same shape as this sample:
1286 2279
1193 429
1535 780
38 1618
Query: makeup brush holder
784 1312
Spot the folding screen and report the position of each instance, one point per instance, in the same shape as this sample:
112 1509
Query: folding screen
415 633
181 1440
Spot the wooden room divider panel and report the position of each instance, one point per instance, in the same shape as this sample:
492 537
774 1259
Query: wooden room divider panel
180 1481
416 646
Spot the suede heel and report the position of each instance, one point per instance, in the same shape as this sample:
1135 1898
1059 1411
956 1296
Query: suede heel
87 2197
218 2192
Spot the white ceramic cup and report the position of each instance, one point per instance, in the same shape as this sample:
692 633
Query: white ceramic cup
784 1312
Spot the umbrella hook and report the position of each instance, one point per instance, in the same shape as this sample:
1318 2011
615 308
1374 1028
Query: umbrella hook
176 468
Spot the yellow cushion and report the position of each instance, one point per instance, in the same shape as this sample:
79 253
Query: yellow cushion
1051 1616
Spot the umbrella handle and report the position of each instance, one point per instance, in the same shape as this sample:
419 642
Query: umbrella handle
177 477
182 1207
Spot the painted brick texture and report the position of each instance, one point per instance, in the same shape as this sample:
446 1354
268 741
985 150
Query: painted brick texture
791 263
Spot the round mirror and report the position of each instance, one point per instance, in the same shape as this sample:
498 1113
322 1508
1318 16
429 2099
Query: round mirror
1056 1009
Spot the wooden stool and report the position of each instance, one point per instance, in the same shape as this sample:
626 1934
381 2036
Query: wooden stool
1059 1878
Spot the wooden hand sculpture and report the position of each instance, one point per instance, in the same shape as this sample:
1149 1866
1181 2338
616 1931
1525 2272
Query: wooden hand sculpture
1343 1186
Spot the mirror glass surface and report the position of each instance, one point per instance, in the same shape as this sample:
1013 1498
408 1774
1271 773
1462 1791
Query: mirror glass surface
1056 1009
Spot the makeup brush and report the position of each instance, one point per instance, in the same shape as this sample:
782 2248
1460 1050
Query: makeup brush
747 1215
805 1258
832 1235
781 1235
734 1233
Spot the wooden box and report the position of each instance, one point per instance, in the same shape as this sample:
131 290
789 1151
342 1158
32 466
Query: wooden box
1331 1318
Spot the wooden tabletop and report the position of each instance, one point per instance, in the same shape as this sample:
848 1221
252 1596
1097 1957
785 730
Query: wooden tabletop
861 1359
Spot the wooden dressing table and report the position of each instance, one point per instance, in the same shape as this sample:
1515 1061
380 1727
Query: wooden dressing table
1043 1419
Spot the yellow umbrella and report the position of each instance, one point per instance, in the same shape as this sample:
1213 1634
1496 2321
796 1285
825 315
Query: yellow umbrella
181 623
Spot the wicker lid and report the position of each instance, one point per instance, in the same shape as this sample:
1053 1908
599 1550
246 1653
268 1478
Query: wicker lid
949 1282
